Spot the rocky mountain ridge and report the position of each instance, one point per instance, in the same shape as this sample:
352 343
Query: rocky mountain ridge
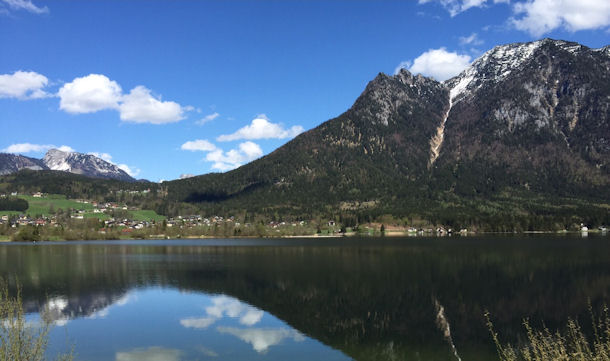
526 118
72 162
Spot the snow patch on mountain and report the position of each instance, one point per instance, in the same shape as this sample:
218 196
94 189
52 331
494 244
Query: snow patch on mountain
85 164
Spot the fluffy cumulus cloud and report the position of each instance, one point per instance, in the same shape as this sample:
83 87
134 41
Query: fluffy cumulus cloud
140 106
234 158
26 5
89 94
437 63
34 148
539 17
262 128
201 145
224 161
96 92
208 118
23 85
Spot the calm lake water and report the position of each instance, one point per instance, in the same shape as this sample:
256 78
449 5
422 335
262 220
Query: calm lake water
305 299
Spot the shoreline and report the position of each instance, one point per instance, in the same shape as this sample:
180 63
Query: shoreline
391 234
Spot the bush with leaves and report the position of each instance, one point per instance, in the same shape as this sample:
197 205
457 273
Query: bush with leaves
21 340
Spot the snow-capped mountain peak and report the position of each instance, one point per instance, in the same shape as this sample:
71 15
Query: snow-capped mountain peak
500 62
85 164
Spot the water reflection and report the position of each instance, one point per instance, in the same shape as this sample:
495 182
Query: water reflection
261 339
61 309
371 300
231 307
149 354
225 306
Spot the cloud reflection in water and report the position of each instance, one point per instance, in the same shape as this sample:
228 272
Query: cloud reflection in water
261 338
225 306
154 353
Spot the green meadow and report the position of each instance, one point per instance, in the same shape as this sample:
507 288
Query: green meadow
48 205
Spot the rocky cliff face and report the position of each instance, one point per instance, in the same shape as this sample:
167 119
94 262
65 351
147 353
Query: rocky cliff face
10 163
84 164
537 112
78 163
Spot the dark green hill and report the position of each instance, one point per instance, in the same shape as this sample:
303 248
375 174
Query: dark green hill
526 143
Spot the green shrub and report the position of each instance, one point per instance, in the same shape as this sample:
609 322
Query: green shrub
20 340
544 345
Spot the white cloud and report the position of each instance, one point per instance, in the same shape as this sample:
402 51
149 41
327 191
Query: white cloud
439 64
208 118
23 85
202 145
25 5
186 175
89 94
198 323
96 92
234 158
105 156
539 17
34 148
132 171
27 148
261 339
66 148
139 106
262 128
222 160
454 7
472 39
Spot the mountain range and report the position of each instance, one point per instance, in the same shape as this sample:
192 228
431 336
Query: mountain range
522 134
72 162
525 121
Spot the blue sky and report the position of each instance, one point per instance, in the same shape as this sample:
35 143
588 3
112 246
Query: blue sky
171 88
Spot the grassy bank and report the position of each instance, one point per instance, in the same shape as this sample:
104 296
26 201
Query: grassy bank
570 345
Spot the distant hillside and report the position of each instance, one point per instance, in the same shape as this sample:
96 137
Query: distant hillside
72 162
71 185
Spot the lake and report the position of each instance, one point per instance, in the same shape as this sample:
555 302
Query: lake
304 299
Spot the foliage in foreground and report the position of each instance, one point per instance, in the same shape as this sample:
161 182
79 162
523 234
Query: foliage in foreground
543 345
20 340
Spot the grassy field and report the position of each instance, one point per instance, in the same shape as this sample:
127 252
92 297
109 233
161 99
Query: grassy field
46 206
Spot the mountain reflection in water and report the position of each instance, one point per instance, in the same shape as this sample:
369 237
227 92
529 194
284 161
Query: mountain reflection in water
373 299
